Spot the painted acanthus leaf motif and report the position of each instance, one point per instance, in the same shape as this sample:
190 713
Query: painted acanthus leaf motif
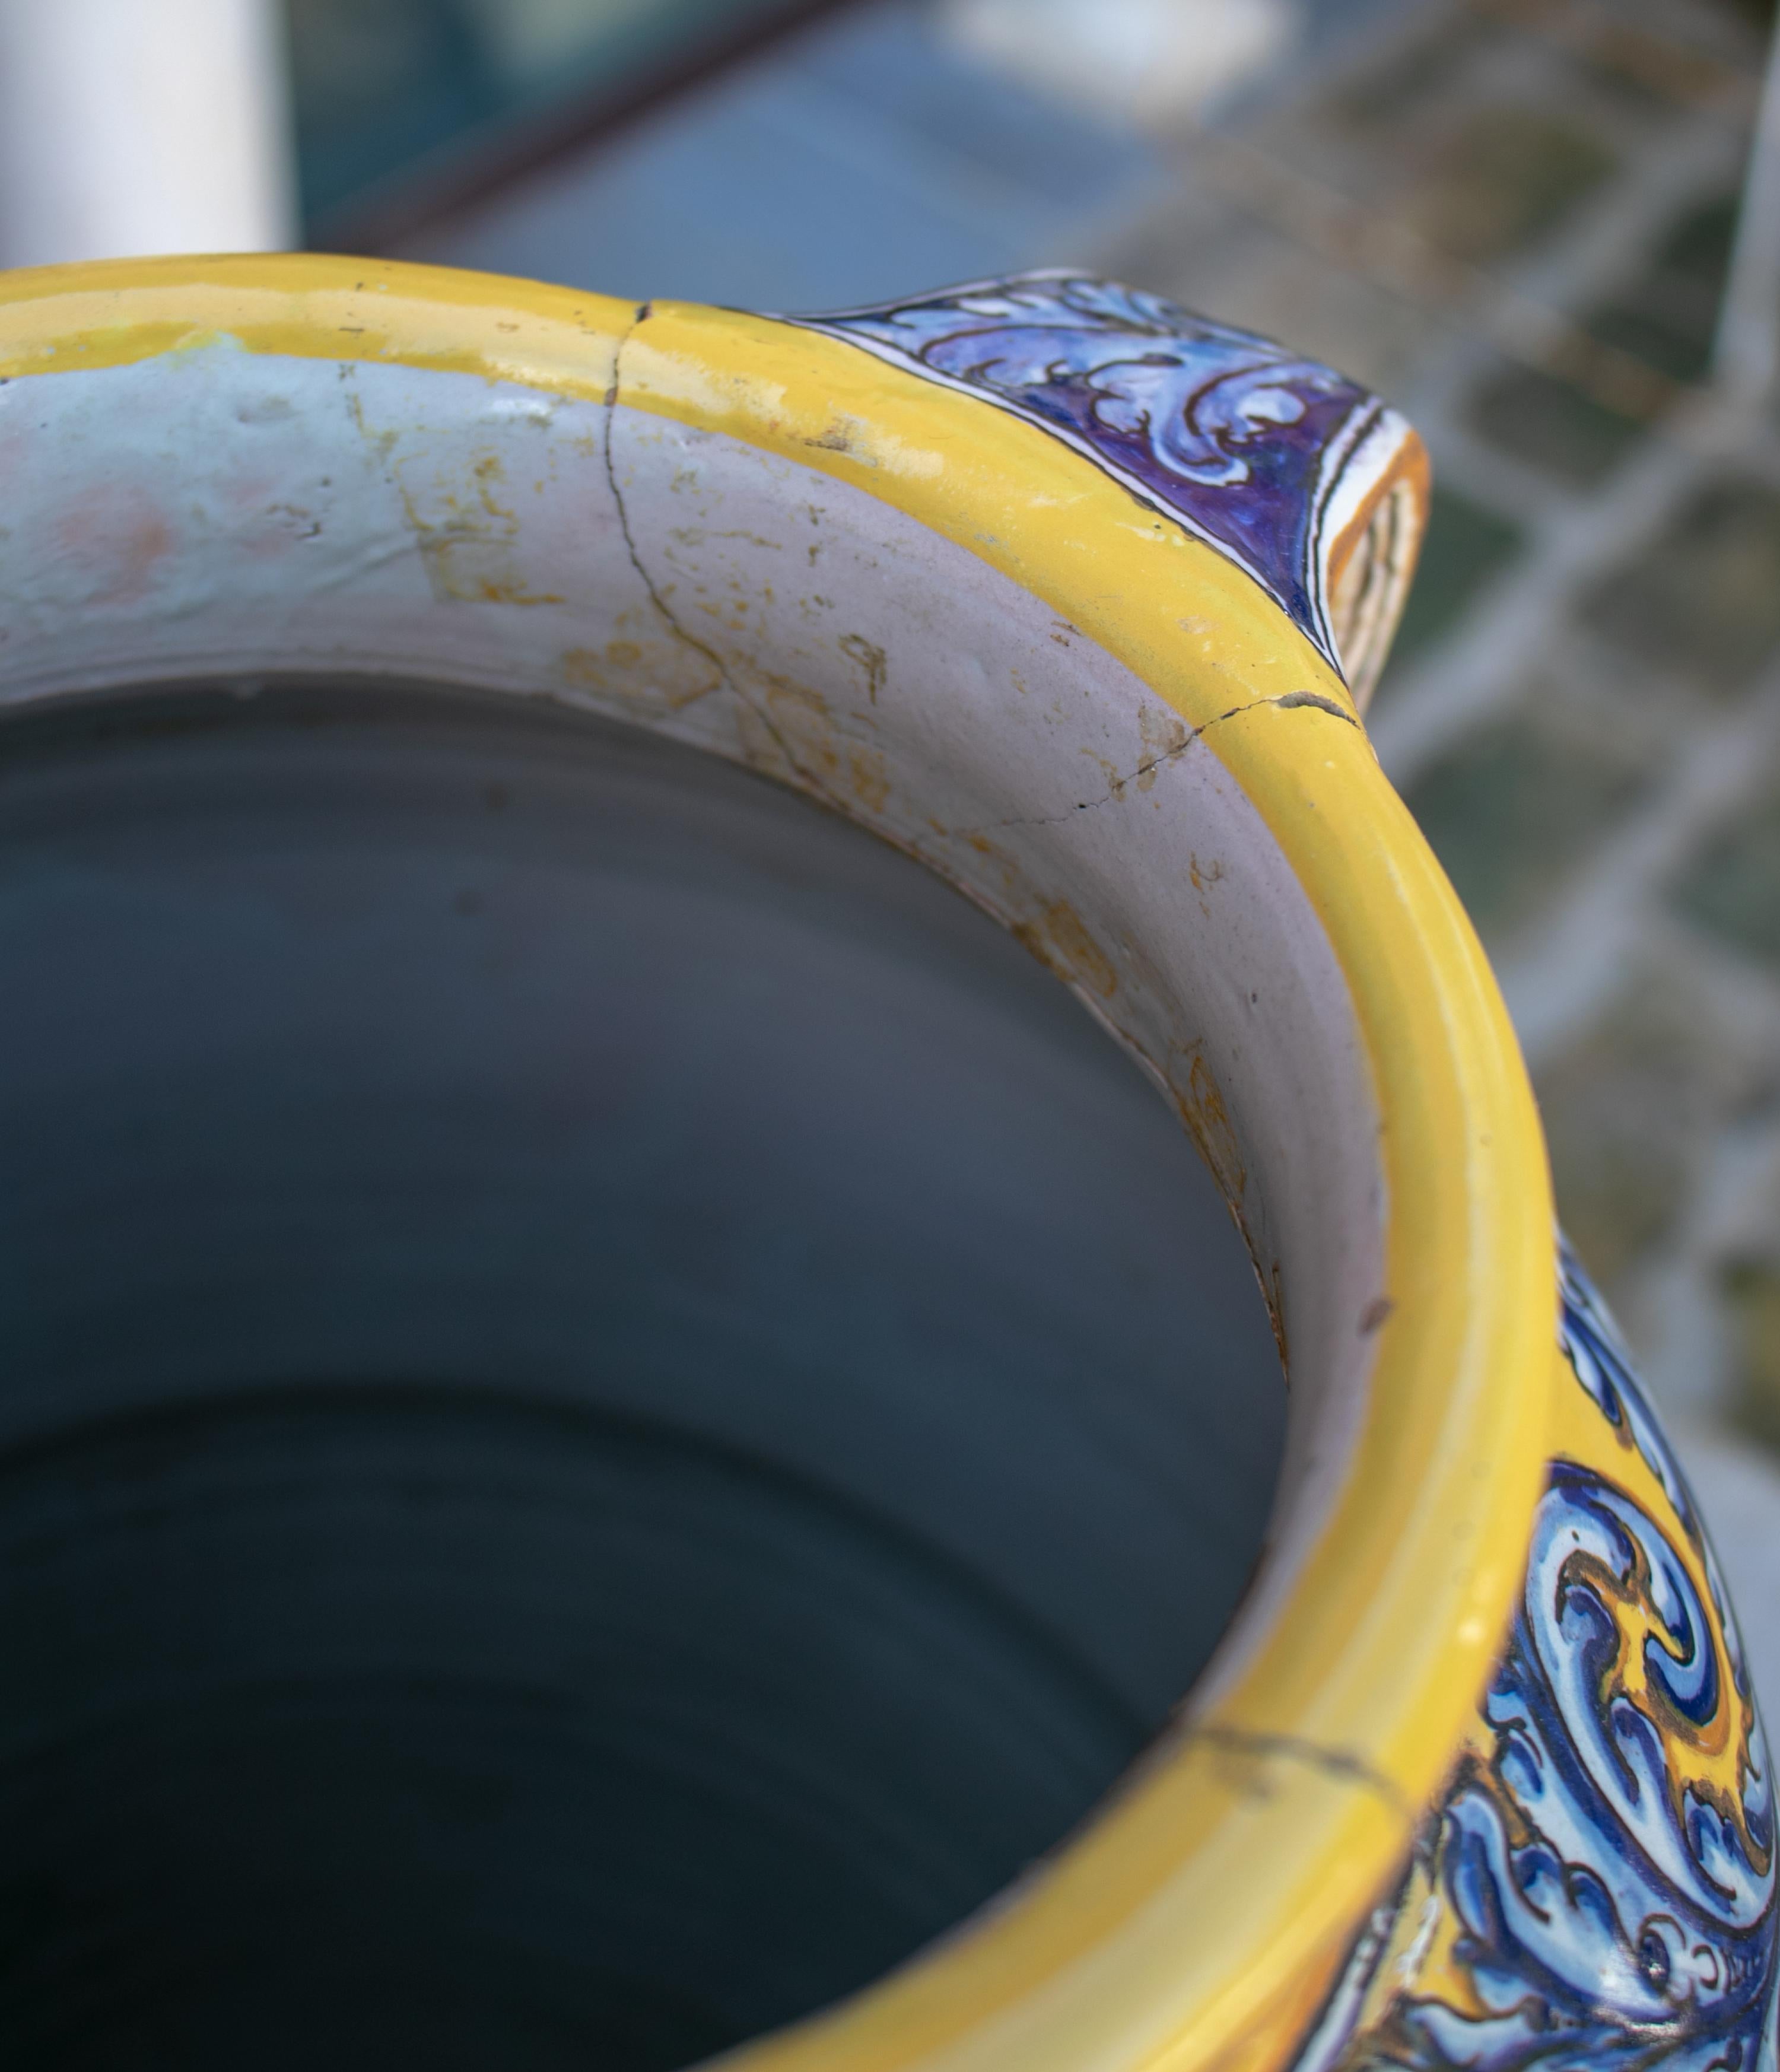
1610 1866
1598 1359
1197 392
1239 440
1597 1885
1592 1344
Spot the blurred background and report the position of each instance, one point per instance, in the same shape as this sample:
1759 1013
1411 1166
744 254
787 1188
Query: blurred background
1515 218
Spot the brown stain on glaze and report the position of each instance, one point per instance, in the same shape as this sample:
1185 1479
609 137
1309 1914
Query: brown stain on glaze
870 658
805 730
1200 1102
1059 938
847 435
467 538
869 779
647 672
1164 734
1116 780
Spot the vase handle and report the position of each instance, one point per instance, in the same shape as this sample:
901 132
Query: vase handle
1307 482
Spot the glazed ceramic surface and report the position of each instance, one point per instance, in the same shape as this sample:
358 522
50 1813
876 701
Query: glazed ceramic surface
1595 1884
1305 480
1076 598
1596 1881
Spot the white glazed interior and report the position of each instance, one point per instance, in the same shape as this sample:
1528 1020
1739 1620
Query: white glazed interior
214 513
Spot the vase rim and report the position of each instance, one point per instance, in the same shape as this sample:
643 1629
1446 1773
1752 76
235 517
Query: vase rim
1207 1905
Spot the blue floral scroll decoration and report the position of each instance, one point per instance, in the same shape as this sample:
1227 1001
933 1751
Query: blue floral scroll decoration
1604 1877
1237 439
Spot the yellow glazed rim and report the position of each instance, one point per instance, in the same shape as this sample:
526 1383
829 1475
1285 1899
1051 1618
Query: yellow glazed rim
1200 1918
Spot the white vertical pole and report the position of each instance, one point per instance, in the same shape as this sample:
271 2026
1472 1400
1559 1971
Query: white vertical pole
135 126
1746 351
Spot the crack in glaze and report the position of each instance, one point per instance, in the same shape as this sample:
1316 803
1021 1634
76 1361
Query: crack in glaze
1340 1764
1287 702
663 610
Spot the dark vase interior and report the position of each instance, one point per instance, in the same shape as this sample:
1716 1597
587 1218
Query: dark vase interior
613 1409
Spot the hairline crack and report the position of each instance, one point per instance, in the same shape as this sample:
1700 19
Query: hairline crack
1340 1764
1287 702
664 611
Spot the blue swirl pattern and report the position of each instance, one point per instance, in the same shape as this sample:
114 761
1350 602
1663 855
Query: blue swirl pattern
1596 1885
1592 1344
1181 410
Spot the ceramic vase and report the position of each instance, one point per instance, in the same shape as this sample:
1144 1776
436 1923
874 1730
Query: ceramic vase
1077 600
